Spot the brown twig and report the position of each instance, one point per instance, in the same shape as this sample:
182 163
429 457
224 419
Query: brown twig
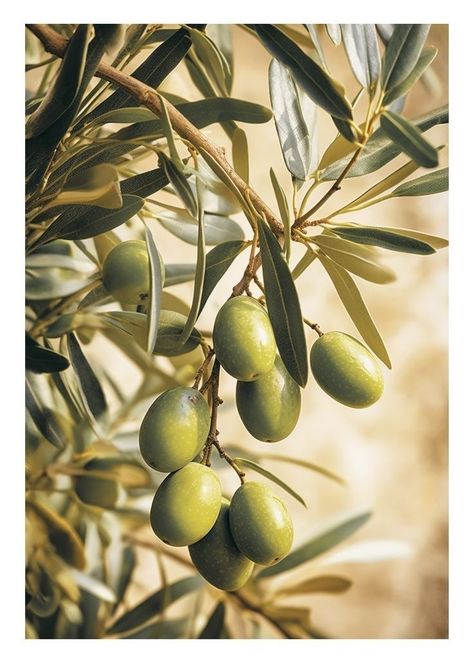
202 368
250 271
55 44
314 325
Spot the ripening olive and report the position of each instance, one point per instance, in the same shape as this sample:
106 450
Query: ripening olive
243 339
346 370
125 272
96 490
270 405
260 523
218 559
174 429
186 505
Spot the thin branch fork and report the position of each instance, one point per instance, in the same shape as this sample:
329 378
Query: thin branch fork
55 44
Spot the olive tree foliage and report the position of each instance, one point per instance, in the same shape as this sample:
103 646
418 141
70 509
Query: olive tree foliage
89 127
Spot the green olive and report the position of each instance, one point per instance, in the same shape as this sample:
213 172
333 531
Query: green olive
186 505
218 559
174 429
260 523
243 339
270 405
346 370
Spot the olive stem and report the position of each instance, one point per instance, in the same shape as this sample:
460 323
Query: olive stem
202 368
314 325
250 271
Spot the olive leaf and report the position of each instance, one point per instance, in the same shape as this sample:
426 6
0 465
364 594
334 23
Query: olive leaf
326 584
215 63
385 239
317 84
293 133
43 360
425 185
334 33
427 56
402 53
356 308
156 286
97 185
367 269
360 42
379 149
215 624
152 607
245 462
89 384
240 154
304 463
306 260
179 183
317 545
81 222
408 137
283 306
144 184
218 228
218 261
284 210
44 419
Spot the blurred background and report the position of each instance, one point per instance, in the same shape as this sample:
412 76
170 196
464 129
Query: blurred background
393 455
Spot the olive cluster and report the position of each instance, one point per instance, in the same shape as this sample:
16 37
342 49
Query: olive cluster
226 538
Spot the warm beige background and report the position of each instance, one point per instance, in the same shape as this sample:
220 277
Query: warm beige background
393 455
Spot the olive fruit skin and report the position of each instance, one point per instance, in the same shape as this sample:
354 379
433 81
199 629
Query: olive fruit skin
218 559
243 338
346 370
270 405
260 523
174 429
97 491
186 505
126 272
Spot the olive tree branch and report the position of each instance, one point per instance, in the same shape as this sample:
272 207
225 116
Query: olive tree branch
55 44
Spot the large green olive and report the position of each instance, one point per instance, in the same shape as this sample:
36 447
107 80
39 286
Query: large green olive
260 523
346 370
174 429
96 490
243 339
186 505
126 272
270 406
218 559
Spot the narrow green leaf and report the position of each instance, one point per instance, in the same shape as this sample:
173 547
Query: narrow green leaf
380 149
128 115
218 228
144 184
240 154
81 222
179 183
360 42
44 419
283 306
320 584
153 606
379 188
43 360
306 464
88 382
213 629
218 261
356 308
199 274
368 552
319 53
284 210
165 629
317 546
156 287
176 273
45 284
93 586
168 131
366 269
318 85
66 86
427 56
126 571
293 134
433 240
308 258
384 239
409 139
402 53
245 462
152 71
426 185
214 61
